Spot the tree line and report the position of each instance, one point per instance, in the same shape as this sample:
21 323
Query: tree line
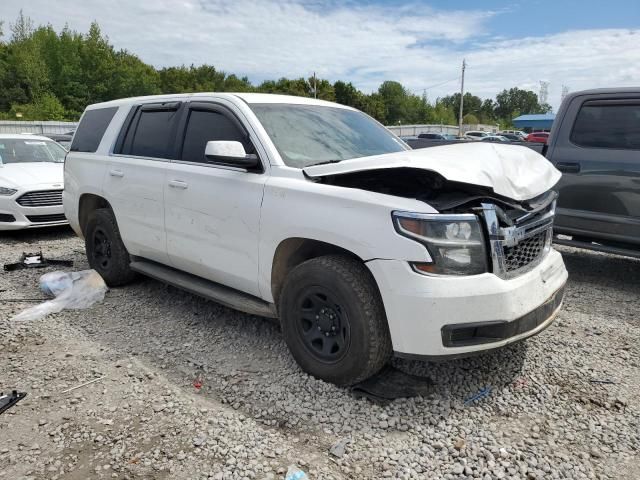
49 75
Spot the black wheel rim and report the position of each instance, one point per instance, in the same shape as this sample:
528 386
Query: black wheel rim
322 324
101 252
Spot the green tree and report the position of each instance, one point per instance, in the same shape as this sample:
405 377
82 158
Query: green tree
45 107
487 111
298 87
472 104
324 88
394 96
347 94
470 119
442 114
132 77
513 102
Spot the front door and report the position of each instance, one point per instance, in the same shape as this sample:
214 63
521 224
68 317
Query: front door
212 212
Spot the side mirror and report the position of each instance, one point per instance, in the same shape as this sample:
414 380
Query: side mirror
230 153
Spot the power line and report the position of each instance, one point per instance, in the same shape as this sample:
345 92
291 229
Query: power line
436 85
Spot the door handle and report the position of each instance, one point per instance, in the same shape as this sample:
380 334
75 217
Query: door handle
568 167
116 173
178 184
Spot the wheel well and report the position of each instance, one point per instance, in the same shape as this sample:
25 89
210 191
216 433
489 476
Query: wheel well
292 252
89 203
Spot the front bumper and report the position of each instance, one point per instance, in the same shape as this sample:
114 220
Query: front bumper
14 216
423 311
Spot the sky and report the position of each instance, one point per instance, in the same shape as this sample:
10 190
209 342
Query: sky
577 44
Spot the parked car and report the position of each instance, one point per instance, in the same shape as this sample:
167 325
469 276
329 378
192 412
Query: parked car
314 213
62 138
512 137
595 142
31 181
437 136
476 134
539 137
495 138
519 133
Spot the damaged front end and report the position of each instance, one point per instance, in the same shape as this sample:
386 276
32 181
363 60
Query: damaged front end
516 234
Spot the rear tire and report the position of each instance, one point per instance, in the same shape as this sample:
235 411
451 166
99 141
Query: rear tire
106 253
334 321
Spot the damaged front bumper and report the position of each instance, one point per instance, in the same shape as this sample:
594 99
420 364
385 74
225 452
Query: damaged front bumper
422 311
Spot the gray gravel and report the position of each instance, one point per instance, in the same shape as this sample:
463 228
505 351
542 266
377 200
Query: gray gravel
564 404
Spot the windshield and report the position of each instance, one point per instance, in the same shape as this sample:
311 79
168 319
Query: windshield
18 150
310 134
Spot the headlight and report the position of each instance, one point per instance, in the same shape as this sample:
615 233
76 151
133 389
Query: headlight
455 242
6 191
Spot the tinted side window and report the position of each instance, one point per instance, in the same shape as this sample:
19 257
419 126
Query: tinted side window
152 134
91 129
204 126
607 126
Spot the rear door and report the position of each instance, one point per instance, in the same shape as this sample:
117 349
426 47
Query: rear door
212 211
135 177
599 157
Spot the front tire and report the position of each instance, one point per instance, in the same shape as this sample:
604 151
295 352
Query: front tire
106 253
333 320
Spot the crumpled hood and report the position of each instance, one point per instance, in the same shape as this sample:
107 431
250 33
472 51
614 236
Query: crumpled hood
512 171
34 173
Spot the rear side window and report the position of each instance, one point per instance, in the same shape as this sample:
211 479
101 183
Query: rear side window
608 125
91 129
207 125
151 132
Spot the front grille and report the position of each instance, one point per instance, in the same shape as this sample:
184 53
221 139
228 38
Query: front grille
7 218
54 217
43 198
517 248
525 252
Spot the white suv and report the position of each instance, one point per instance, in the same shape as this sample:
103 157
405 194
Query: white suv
315 213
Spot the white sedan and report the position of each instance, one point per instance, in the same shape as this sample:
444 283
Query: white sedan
31 182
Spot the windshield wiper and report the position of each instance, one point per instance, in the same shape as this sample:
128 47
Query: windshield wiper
325 162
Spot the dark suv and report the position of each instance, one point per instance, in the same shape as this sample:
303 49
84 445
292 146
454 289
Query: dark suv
595 143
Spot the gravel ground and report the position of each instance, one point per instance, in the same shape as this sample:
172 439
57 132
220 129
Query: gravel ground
564 404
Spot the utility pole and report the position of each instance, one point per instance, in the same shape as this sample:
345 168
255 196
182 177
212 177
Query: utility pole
464 65
315 86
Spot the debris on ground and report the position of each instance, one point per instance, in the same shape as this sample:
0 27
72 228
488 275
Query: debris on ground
485 392
390 384
294 473
84 384
8 401
74 290
35 260
339 448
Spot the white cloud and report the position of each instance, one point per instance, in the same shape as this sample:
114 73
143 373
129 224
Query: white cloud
413 44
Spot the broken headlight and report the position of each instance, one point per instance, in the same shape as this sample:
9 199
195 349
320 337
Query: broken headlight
455 242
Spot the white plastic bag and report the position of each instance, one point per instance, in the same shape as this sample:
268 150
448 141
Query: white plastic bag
75 290
294 473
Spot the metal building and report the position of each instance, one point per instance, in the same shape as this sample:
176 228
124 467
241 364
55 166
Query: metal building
534 122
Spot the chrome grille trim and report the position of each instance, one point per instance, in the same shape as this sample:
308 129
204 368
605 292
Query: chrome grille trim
518 248
42 198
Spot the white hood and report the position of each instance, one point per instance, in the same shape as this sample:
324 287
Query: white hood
33 173
512 171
